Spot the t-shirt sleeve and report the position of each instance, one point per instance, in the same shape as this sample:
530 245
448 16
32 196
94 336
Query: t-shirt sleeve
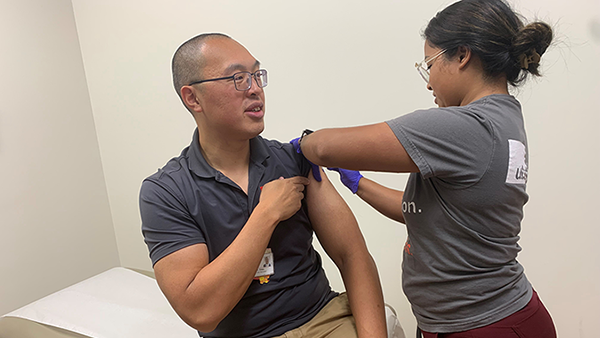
452 144
303 164
166 224
298 161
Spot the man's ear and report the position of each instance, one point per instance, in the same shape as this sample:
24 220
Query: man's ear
190 98
464 56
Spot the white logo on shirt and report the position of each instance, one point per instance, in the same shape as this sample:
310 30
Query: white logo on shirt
517 163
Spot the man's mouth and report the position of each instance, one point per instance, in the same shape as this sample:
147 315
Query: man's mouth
255 110
254 107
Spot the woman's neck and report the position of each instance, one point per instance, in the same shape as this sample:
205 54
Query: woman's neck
484 87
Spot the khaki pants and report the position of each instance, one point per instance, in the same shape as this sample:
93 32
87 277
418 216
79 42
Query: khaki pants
335 320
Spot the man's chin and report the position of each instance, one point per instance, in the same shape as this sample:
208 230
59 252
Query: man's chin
257 131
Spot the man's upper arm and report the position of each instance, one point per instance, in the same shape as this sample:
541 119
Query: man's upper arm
176 244
333 221
176 271
167 225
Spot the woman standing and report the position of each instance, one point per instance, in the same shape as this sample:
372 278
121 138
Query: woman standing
463 203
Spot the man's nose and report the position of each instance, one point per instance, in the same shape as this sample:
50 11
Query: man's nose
254 87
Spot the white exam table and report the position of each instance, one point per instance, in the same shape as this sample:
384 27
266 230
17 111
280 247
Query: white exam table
114 304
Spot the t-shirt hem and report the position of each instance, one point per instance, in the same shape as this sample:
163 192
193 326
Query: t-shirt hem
471 323
157 256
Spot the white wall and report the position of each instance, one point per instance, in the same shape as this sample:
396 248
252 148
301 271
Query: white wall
561 233
56 227
334 63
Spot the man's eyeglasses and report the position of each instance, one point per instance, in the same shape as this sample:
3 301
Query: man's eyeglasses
423 67
242 80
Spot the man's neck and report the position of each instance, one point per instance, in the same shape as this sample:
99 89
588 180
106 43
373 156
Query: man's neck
230 157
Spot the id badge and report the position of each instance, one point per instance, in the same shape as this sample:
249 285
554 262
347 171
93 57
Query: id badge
267 265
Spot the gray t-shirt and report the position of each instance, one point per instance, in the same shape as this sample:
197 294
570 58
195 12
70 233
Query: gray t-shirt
463 213
188 202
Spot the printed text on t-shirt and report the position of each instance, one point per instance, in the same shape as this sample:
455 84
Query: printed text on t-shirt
410 208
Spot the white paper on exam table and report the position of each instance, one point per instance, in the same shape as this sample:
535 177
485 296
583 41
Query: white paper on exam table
116 303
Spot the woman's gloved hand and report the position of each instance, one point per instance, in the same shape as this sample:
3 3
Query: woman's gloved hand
315 168
349 178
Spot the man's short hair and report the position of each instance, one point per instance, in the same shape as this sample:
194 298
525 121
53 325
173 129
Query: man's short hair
188 61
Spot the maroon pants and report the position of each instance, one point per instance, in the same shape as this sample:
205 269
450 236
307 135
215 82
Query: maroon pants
532 321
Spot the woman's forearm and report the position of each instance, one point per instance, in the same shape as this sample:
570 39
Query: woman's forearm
385 200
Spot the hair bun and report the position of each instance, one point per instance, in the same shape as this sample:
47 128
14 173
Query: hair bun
493 32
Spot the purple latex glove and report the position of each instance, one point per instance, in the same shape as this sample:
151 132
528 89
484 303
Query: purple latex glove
315 168
349 178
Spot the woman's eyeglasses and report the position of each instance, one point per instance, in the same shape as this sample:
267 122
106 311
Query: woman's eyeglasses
423 66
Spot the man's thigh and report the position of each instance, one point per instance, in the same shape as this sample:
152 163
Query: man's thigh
346 328
335 320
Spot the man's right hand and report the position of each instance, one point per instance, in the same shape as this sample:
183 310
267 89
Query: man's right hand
284 196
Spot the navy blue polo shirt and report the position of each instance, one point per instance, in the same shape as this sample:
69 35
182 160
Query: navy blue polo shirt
188 202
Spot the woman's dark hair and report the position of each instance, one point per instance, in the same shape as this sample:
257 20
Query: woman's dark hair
493 32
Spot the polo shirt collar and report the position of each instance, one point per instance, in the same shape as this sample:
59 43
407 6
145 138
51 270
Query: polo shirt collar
259 152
